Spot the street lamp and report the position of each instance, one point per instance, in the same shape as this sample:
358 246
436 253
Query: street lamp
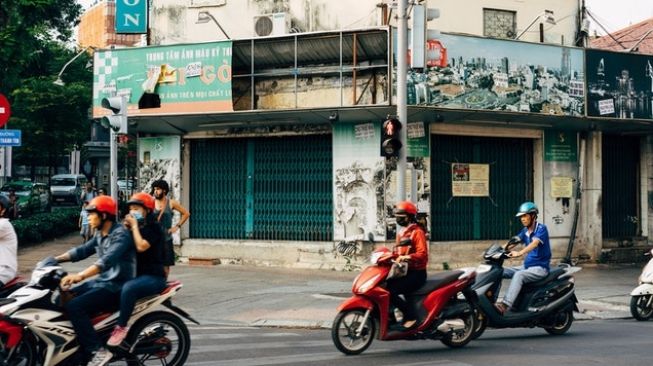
204 17
59 81
546 16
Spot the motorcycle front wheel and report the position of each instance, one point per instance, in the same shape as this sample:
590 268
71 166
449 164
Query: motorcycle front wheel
641 307
461 338
345 331
481 324
161 338
24 354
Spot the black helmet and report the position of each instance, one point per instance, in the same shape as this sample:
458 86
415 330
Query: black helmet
4 202
161 184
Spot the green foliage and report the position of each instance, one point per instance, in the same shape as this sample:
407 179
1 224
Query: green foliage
44 226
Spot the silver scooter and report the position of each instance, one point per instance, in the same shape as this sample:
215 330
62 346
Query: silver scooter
641 301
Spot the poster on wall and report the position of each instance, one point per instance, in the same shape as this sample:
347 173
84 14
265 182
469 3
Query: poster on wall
358 175
562 187
465 72
470 180
190 78
417 140
620 85
159 158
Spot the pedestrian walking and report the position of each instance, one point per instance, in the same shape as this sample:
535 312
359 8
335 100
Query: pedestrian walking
164 207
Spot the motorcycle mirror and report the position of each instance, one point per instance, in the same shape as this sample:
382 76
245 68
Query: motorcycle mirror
515 240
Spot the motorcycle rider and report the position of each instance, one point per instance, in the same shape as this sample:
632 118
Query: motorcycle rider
8 245
411 247
116 264
150 275
538 255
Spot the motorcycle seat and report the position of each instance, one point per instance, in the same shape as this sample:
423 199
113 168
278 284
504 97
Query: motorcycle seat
553 274
436 281
12 282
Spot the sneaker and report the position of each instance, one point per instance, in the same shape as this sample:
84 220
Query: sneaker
101 357
117 336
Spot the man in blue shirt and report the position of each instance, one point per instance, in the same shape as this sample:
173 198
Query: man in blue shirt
116 264
538 255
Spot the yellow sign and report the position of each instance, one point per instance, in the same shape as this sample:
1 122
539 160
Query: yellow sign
562 187
470 180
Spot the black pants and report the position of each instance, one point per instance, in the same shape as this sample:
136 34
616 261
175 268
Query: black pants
412 281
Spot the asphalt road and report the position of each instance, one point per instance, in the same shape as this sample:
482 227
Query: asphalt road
597 342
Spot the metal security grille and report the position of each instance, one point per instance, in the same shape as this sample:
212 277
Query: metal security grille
217 183
262 188
620 186
480 218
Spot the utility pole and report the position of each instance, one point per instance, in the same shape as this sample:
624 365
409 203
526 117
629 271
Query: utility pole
402 110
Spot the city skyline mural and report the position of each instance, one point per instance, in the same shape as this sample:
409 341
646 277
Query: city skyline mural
489 74
620 85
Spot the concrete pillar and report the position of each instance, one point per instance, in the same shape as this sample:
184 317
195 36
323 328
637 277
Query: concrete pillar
590 235
647 180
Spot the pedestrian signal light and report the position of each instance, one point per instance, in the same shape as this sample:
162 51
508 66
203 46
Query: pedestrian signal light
390 141
117 121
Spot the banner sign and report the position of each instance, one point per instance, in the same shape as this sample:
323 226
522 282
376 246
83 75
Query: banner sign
189 79
10 138
619 85
470 180
465 72
131 16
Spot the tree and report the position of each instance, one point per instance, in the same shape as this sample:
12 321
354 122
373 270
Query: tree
25 26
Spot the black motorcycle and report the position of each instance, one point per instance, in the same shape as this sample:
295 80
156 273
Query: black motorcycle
548 303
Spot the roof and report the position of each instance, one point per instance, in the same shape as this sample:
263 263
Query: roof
629 37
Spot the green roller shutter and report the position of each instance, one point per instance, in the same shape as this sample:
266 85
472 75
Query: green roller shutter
480 218
620 186
277 188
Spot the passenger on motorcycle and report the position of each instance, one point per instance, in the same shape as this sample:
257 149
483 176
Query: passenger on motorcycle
116 264
150 275
538 255
411 247
8 245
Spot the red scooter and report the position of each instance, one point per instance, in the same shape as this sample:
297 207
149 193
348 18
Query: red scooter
441 315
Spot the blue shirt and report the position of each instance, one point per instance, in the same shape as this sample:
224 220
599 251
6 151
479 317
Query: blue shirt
541 255
116 257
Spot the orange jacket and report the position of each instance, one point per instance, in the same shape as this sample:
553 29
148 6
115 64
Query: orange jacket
418 249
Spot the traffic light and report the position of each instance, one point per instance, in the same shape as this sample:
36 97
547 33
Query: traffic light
117 121
390 141
420 34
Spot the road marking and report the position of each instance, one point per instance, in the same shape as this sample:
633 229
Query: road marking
258 346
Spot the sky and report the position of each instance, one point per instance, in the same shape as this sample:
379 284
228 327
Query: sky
613 14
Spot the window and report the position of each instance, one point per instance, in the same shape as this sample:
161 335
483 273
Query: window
499 23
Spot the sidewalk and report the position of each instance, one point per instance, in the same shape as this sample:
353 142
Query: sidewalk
265 296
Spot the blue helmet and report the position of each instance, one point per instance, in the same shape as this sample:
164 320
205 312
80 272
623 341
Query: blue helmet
527 208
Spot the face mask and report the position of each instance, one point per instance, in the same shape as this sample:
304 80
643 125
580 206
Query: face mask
137 215
402 220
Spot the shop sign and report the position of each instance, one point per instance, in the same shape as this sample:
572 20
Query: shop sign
131 16
560 146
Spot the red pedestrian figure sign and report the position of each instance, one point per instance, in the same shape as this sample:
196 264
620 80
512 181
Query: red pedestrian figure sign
5 110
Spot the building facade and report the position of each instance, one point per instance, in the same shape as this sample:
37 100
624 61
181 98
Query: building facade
272 141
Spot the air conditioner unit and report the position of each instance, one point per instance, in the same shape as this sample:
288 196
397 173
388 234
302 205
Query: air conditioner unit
271 24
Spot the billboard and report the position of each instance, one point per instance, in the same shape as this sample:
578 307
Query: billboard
619 85
188 79
465 72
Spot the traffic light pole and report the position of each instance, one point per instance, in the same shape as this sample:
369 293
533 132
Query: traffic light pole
113 147
402 110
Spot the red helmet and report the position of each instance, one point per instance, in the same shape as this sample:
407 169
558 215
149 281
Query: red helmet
405 208
102 204
142 199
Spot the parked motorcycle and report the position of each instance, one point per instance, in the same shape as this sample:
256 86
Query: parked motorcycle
641 301
34 329
11 286
441 316
548 303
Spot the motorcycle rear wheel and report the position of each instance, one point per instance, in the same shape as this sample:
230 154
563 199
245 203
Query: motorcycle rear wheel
639 307
344 332
460 339
162 331
561 322
481 324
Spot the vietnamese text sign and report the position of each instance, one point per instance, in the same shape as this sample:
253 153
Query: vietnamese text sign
418 141
562 187
131 16
206 88
10 138
470 180
560 146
